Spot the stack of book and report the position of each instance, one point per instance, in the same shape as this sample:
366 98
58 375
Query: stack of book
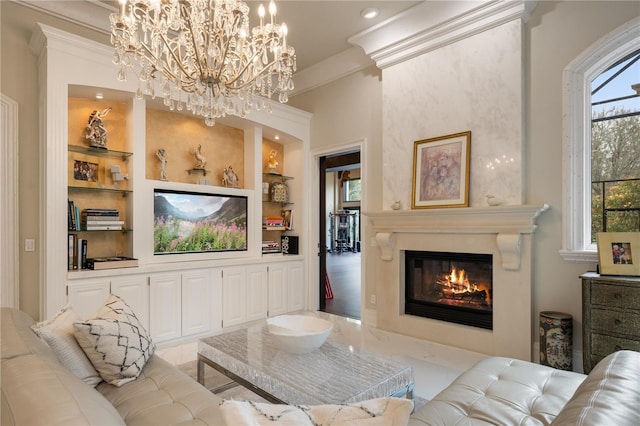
270 247
101 220
274 222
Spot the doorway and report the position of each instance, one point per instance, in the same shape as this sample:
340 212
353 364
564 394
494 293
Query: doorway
340 264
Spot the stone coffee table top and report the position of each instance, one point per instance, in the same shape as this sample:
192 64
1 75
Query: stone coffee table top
333 374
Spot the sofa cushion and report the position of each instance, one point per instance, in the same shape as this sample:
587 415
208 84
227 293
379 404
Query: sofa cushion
609 395
162 394
58 333
39 391
115 341
17 338
501 391
373 412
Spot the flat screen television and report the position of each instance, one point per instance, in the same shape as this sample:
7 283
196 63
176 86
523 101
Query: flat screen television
198 222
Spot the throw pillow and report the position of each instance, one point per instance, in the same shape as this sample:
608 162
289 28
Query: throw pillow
115 341
58 333
373 412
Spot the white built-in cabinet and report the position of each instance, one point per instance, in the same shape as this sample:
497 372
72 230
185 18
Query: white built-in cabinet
173 298
178 304
244 294
86 296
286 287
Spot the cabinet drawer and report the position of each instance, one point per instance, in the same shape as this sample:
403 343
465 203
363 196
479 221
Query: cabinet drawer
615 296
602 345
619 322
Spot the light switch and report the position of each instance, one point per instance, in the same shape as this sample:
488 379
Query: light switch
29 244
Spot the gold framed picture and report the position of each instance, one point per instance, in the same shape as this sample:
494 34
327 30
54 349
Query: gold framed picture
619 253
441 171
85 170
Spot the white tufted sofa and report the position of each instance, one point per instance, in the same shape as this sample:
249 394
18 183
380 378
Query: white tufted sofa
505 391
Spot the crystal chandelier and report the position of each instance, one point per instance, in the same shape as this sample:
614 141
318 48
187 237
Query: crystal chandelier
203 54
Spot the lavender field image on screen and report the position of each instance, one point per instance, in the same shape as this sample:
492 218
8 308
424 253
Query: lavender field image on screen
191 222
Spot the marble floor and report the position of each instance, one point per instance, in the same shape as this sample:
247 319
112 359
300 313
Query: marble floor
434 365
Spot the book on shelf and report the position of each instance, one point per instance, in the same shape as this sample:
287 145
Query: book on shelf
100 212
77 253
103 228
73 216
103 222
98 263
270 247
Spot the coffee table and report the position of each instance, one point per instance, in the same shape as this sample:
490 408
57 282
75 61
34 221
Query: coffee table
336 373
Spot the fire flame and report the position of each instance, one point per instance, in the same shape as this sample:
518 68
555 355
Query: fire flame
457 282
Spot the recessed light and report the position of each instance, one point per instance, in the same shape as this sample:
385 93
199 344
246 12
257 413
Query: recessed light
277 137
99 95
369 12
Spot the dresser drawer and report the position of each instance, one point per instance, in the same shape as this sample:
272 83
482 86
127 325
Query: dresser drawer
615 296
619 322
602 345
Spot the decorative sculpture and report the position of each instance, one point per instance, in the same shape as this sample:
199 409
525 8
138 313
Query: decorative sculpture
162 156
200 160
273 163
94 131
229 178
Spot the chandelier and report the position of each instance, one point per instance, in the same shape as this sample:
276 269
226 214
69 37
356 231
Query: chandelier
203 55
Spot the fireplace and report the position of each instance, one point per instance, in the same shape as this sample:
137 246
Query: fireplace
453 287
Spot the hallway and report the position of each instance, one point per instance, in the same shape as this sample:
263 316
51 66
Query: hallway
344 275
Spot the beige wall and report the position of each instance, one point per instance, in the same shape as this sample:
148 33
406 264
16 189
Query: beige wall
19 82
346 111
556 33
349 110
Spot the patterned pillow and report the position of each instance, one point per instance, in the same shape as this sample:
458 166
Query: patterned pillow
115 341
58 333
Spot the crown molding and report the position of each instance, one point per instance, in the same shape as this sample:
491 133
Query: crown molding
92 14
429 26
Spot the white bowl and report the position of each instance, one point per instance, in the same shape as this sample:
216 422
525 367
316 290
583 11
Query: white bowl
299 334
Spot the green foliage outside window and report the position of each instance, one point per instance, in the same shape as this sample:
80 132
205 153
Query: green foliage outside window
615 172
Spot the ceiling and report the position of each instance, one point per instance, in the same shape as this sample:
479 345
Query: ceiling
317 29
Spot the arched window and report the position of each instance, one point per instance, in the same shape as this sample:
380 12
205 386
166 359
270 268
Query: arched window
582 77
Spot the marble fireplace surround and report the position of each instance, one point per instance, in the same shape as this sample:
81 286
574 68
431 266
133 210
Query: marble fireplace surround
506 232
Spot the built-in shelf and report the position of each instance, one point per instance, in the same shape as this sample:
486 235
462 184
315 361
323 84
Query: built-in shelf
101 152
276 176
124 192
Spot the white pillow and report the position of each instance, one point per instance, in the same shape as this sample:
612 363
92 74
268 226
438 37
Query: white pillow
58 333
115 341
373 412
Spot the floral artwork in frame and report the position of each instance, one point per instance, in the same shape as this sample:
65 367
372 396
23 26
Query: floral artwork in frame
441 171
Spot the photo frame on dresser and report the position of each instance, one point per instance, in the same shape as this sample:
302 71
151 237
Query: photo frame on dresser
619 253
441 171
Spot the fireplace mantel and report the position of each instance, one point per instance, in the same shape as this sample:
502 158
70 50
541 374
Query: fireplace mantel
506 232
507 222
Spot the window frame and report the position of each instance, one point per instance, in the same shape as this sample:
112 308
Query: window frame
576 147
345 191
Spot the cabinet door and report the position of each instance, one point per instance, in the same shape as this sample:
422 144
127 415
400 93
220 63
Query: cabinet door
85 297
257 293
135 291
195 302
165 306
234 294
277 289
295 287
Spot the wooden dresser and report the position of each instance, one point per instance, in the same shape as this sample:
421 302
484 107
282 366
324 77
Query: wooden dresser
610 316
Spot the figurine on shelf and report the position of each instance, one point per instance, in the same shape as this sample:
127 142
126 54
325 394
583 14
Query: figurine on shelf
230 178
273 163
94 131
162 156
200 160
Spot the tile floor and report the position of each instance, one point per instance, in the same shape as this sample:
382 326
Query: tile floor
434 365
